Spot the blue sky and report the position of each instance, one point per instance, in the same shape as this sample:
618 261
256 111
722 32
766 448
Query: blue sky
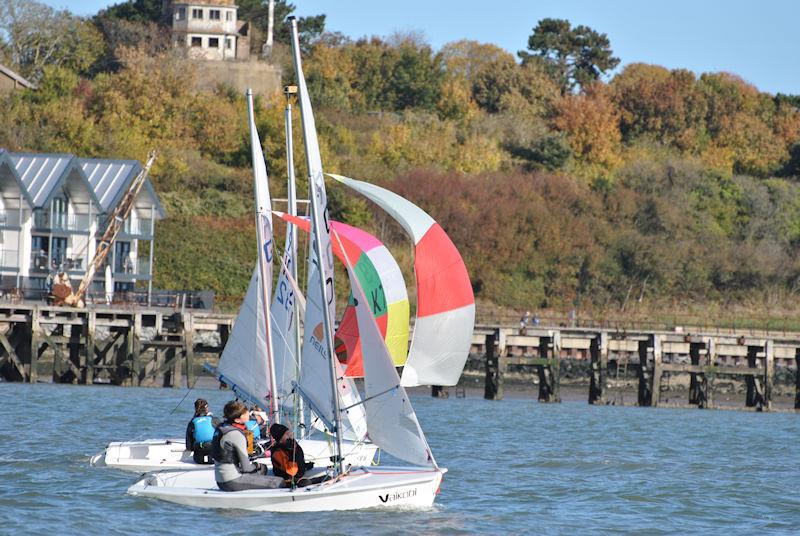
759 41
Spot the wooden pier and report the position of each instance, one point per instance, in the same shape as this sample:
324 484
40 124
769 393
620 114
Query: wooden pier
142 346
654 357
161 346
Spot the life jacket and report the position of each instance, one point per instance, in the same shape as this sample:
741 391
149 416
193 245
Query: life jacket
226 454
203 429
255 428
288 461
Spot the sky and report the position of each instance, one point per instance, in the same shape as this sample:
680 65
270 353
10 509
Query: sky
758 41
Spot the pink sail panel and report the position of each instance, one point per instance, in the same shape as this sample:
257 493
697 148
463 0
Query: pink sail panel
445 302
382 280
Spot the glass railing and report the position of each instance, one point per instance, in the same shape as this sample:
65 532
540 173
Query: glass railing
9 259
60 222
133 267
9 218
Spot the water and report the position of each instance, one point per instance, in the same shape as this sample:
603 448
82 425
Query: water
516 466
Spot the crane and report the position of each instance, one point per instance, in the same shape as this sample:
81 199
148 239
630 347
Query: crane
62 290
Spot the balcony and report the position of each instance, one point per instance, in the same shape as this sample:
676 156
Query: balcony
68 263
137 229
9 259
10 219
44 220
130 269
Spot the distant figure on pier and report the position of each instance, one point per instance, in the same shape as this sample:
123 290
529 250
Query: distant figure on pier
524 322
200 432
233 469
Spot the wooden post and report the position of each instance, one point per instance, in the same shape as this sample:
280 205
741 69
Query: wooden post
76 353
548 370
188 341
88 371
656 392
135 345
755 398
493 387
711 360
797 378
694 388
769 372
598 350
645 395
438 391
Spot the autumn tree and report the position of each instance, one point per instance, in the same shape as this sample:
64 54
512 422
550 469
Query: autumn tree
33 35
575 57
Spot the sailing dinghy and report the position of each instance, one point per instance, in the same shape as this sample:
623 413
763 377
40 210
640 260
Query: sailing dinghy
390 419
250 364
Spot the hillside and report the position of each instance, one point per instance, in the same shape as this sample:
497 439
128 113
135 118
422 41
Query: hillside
651 189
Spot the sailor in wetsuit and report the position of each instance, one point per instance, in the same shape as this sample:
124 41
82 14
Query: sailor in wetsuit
233 469
200 432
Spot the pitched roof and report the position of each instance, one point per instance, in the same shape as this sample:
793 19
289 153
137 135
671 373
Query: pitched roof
107 180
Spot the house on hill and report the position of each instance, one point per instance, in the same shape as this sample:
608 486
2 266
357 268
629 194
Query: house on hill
52 211
210 29
220 44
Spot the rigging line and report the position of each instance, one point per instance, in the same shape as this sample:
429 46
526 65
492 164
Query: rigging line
390 389
184 396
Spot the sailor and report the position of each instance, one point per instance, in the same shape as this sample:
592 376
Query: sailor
288 460
233 469
200 432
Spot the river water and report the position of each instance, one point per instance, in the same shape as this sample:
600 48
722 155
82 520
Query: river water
516 466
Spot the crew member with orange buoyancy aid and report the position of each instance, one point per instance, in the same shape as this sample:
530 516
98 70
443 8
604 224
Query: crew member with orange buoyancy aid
233 469
288 460
200 432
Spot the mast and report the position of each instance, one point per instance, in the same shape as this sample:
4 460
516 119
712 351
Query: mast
315 182
291 235
263 217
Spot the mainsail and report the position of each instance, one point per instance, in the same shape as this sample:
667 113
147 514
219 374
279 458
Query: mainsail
382 281
321 377
445 302
246 361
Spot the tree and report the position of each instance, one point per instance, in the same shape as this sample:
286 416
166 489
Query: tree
141 11
35 35
310 28
575 57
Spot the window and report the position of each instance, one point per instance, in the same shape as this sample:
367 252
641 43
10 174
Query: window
197 13
59 213
180 14
213 14
213 42
228 43
197 41
229 16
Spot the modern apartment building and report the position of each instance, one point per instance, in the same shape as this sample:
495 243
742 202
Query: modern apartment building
52 212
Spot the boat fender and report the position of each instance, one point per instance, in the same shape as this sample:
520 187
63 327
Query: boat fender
203 429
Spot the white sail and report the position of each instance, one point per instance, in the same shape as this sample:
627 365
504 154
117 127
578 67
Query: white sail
316 382
391 421
263 207
240 365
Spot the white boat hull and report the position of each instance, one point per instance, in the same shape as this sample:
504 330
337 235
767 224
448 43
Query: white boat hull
171 454
362 487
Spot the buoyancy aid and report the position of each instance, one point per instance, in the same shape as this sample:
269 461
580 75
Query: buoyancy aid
254 428
226 454
203 429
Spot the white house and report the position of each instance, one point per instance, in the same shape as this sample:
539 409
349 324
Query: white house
52 212
210 29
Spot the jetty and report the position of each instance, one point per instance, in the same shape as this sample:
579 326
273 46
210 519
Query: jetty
160 346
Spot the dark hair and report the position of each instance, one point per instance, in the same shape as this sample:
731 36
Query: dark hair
233 409
200 407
